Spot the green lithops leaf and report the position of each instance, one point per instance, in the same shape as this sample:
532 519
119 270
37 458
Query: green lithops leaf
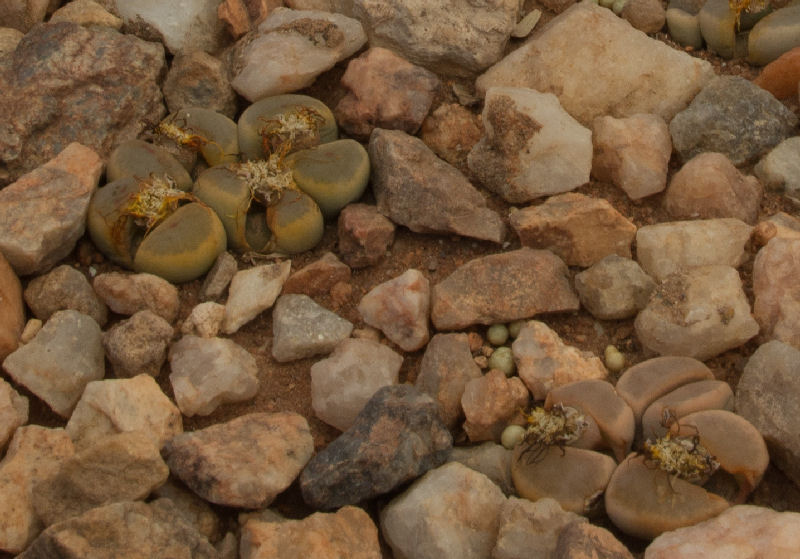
211 133
296 223
111 230
139 159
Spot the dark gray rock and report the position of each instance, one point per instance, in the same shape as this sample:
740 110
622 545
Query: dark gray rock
397 437
731 116
67 83
64 288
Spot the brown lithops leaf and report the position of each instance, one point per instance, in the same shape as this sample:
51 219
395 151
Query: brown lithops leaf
689 398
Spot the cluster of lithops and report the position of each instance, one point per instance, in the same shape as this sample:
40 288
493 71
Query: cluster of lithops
272 179
678 420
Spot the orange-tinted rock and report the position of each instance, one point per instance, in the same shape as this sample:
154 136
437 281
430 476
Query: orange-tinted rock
242 16
12 309
318 277
450 131
781 76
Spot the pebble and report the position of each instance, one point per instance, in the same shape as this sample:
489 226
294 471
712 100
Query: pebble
532 282
615 287
320 276
253 291
490 403
384 91
60 361
349 532
244 462
416 522
9 39
365 235
127 294
205 320
55 83
734 117
415 188
241 16
192 509
580 229
121 467
779 169
647 16
12 309
488 458
197 79
781 76
768 397
400 308
34 455
642 84
13 412
776 298
302 328
774 35
209 372
527 526
138 345
632 153
451 131
587 541
343 383
545 362
87 13
129 528
740 531
699 313
43 213
531 146
219 276
709 186
669 247
265 62
112 406
396 438
457 40
64 288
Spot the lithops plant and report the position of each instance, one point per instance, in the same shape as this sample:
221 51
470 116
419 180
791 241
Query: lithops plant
208 132
139 159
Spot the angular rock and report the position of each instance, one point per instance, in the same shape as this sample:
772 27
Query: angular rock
384 91
446 368
527 526
666 248
129 293
209 372
451 131
349 532
290 49
61 77
767 396
490 459
195 25
647 16
580 229
396 437
138 345
743 530
545 362
781 76
614 288
364 235
219 276
457 39
632 153
22 14
490 402
13 412
734 117
502 288
12 309
60 361
205 320
9 39
109 407
583 58
709 186
252 291
302 328
774 35
399 308
415 188
87 13
779 169
241 16
194 510
244 462
580 540
416 522
123 529
318 277
35 454
777 294
64 288
531 146
125 466
343 383
699 313
43 214
197 79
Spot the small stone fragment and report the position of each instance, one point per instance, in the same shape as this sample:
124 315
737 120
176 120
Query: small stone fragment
318 277
9 39
348 378
364 235
253 291
614 287
205 320
647 16
777 294
451 131
129 293
244 462
12 309
490 402
396 437
579 229
527 526
302 328
219 276
192 509
241 16
64 288
86 12
209 372
579 540
13 412
138 345
197 79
